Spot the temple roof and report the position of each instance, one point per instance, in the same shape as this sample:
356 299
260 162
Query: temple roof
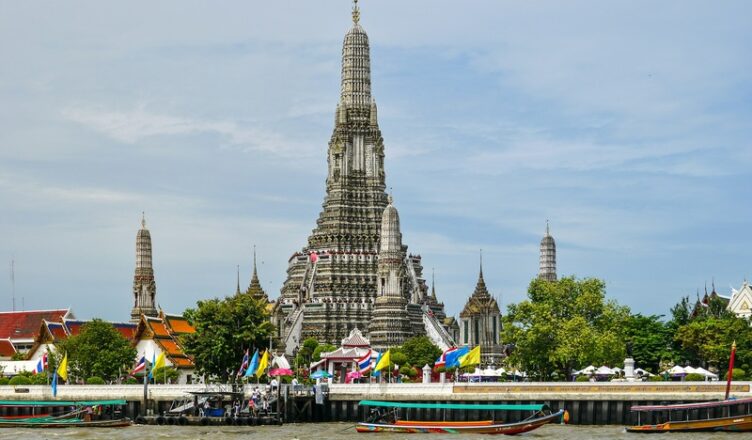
165 331
6 348
480 302
25 325
255 289
355 339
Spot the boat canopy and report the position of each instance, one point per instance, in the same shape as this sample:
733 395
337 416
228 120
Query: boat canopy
682 406
468 406
60 402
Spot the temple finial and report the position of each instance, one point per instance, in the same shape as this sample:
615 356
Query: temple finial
433 282
143 219
548 230
481 263
355 12
254 260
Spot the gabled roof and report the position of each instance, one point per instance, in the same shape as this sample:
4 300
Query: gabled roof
179 325
25 325
480 302
741 302
6 348
355 339
162 331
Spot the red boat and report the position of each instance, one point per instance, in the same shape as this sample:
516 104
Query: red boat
385 417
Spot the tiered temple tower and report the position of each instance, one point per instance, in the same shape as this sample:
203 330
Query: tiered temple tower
547 257
255 288
480 323
144 287
332 282
390 323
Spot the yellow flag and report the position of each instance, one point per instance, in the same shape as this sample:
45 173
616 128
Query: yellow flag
62 369
160 362
385 361
471 358
263 364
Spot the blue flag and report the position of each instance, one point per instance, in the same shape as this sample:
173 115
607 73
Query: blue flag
153 361
54 384
253 366
378 358
453 358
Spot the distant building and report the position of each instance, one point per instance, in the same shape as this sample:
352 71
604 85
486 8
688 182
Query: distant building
20 329
161 334
741 301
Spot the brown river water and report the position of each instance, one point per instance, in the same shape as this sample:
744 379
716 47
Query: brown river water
328 431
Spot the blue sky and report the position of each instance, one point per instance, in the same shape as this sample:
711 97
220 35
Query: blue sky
627 124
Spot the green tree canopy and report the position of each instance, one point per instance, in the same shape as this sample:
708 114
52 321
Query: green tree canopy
651 341
98 350
225 328
420 351
564 325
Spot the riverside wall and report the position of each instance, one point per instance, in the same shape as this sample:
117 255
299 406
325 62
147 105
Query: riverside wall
587 403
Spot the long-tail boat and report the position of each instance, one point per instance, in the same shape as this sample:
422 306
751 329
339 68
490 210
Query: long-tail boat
78 414
389 417
722 415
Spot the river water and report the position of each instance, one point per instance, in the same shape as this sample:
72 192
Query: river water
320 431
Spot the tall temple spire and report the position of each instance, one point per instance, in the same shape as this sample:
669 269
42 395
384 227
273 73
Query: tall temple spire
433 283
547 268
144 286
481 264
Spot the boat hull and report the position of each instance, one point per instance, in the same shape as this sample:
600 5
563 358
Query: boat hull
731 424
65 423
428 427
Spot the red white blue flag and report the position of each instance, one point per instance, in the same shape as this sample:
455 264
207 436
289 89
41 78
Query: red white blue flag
140 366
441 361
243 364
364 363
41 365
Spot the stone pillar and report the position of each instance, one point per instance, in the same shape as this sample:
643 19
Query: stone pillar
426 374
442 377
629 369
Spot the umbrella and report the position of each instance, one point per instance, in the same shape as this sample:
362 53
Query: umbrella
281 372
677 371
604 371
706 373
320 374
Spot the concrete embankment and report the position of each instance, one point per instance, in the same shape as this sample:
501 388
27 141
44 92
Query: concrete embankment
587 403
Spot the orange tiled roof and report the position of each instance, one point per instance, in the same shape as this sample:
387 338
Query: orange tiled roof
179 325
170 347
158 327
182 362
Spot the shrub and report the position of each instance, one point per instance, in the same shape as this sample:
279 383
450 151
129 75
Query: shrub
132 381
583 378
95 380
694 377
739 374
4 380
162 373
20 380
38 379
656 378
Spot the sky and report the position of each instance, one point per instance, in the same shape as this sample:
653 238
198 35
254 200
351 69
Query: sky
627 124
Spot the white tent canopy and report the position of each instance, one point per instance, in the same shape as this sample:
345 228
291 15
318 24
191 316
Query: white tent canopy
604 371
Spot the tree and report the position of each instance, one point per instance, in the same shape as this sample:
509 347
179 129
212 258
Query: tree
564 325
305 352
651 341
98 350
225 328
707 341
420 351
165 373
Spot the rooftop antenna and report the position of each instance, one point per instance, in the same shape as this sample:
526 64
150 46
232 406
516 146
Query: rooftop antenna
13 281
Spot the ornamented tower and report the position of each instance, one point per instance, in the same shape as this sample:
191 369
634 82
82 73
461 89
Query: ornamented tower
255 288
390 324
480 323
144 287
547 257
332 282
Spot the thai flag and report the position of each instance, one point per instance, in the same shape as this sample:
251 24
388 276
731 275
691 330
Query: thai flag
140 366
441 361
364 363
41 365
243 364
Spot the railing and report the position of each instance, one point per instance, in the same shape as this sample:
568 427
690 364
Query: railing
439 335
292 338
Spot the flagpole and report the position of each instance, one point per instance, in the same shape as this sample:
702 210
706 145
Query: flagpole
730 370
146 385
